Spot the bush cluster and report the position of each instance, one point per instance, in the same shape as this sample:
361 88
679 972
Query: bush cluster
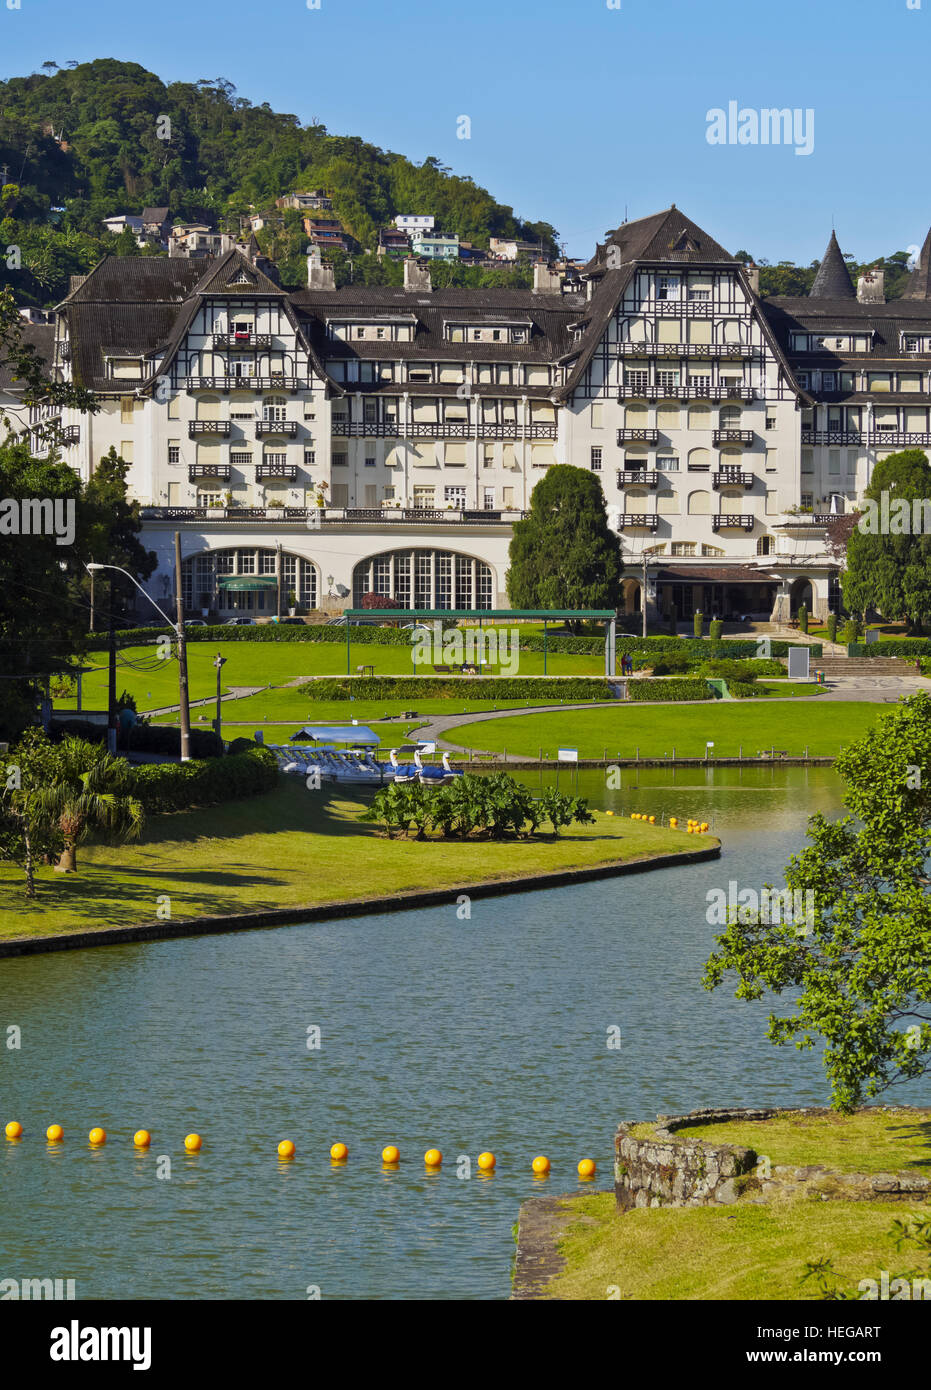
662 692
166 738
492 808
179 786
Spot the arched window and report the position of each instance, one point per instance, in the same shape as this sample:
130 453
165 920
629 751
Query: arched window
699 504
730 417
425 579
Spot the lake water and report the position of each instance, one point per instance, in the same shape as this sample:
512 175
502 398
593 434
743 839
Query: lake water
465 1035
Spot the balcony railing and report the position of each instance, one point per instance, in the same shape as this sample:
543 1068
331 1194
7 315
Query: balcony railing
276 470
247 383
731 477
732 437
700 350
228 341
196 427
808 519
208 470
686 393
681 308
629 477
645 520
263 428
731 521
71 434
897 439
448 429
629 436
339 516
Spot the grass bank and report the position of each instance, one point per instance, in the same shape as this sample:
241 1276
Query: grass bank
751 1251
823 728
291 849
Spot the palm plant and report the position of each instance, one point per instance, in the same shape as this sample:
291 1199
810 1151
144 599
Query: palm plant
91 792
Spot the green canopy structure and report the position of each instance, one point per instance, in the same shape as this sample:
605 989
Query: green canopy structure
247 583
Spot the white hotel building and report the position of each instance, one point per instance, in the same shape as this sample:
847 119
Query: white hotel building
726 430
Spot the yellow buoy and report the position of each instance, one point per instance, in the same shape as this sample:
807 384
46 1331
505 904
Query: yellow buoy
486 1162
142 1138
609 813
54 1134
433 1158
673 822
14 1130
586 1168
193 1143
339 1153
541 1164
98 1135
704 826
652 820
286 1149
390 1153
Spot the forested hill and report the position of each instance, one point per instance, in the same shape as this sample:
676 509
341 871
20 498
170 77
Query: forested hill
86 139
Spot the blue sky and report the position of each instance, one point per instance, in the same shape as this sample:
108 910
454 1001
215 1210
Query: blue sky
577 110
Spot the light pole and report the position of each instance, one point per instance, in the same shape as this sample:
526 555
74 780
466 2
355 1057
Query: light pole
178 629
219 662
643 592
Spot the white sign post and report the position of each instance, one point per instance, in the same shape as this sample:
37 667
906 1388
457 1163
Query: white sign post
567 755
798 663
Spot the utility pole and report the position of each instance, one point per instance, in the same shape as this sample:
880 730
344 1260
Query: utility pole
111 678
92 601
184 702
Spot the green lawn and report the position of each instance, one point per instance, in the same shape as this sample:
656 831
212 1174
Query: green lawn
293 848
708 1253
658 729
878 1142
154 682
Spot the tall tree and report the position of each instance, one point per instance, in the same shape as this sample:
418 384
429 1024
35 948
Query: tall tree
888 558
563 553
856 960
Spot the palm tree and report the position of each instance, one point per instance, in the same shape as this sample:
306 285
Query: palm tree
91 792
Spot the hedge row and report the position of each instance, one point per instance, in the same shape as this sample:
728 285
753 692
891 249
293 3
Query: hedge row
166 738
669 690
179 786
458 687
900 646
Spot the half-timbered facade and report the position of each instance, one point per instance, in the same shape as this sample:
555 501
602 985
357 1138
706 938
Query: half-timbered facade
387 438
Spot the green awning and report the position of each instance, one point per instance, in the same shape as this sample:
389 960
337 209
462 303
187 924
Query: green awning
243 583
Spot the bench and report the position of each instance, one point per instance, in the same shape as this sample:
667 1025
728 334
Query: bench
443 670
365 670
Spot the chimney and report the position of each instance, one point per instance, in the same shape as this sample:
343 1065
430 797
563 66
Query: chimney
416 277
319 276
753 275
546 279
870 287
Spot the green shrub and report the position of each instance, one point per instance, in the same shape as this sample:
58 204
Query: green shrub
669 663
496 808
909 647
698 623
662 692
832 627
574 688
178 786
715 628
241 745
744 690
166 738
803 619
850 632
730 671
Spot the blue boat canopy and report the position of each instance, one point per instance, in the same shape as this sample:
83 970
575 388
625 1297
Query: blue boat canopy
338 733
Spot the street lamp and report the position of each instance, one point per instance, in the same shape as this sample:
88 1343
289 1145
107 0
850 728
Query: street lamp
178 629
219 662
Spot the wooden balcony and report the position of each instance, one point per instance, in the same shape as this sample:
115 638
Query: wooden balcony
686 393
631 436
229 342
731 477
441 429
276 470
71 434
247 383
208 470
647 521
896 439
287 428
700 350
214 427
731 521
631 477
732 437
339 516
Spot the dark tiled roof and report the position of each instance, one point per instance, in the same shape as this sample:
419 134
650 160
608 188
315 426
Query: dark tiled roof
833 278
221 277
155 214
40 336
919 282
887 322
711 574
663 236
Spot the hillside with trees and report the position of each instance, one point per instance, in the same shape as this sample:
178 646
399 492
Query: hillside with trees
90 141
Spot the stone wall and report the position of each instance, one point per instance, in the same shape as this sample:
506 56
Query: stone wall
666 1170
